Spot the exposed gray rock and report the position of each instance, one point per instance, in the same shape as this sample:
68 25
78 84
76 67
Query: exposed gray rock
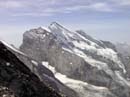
124 52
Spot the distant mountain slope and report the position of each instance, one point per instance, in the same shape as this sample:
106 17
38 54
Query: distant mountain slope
124 51
123 48
79 57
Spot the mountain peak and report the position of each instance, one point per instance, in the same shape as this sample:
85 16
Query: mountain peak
55 23
58 25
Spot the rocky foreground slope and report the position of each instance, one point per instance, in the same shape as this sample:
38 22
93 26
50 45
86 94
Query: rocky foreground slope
16 80
90 67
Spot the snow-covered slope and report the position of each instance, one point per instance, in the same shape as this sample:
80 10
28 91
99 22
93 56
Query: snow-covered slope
78 56
80 44
11 47
82 88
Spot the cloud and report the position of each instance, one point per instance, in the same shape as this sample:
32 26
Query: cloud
52 7
121 2
101 7
10 4
32 14
95 7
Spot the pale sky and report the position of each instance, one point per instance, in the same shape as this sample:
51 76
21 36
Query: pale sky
102 19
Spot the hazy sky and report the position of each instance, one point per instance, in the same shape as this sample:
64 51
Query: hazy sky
103 19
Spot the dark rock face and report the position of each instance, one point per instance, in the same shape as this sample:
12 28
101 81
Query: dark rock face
18 80
109 45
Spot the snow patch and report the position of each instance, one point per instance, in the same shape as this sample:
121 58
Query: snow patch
121 79
9 46
47 29
34 62
66 49
8 64
76 85
46 64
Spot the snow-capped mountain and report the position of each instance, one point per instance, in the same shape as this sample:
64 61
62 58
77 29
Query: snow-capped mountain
78 56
